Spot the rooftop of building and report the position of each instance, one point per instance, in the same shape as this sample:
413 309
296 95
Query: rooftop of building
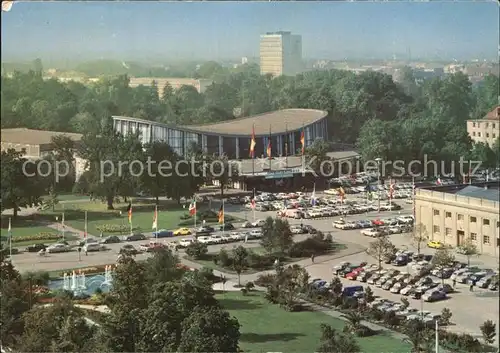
276 122
489 190
492 115
33 137
147 80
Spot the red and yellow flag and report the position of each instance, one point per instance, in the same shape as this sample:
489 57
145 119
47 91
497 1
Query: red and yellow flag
252 143
221 214
129 211
303 141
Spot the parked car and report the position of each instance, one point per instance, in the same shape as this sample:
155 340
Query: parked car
397 287
433 296
112 239
433 244
151 246
259 223
204 230
35 247
309 229
135 237
485 281
227 226
184 243
182 231
163 233
56 248
401 260
445 287
129 249
247 225
90 247
408 290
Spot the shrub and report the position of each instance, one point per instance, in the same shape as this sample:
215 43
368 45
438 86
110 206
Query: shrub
445 317
260 262
35 237
212 219
115 228
38 278
265 280
305 248
223 259
249 286
244 291
197 250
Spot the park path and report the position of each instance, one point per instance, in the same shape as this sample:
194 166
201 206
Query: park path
68 230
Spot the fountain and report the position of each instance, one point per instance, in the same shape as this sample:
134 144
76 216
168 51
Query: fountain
79 283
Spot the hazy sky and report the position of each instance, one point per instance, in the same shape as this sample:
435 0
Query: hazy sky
231 29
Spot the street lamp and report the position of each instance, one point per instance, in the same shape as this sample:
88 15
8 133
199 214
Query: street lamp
378 160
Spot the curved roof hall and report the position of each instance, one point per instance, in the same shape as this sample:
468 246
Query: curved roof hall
278 122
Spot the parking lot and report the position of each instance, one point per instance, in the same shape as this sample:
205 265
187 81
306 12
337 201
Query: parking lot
482 302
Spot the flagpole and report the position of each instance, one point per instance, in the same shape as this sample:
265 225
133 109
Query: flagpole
390 195
437 337
195 209
286 145
252 145
253 204
130 220
156 221
270 145
10 239
223 217
63 225
85 228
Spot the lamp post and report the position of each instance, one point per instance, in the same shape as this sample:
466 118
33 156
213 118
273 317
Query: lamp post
378 160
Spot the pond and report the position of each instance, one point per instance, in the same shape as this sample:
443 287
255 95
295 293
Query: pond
81 284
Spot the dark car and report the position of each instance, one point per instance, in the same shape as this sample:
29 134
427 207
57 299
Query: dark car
163 233
205 230
129 249
389 259
227 226
401 261
135 237
35 247
112 239
309 229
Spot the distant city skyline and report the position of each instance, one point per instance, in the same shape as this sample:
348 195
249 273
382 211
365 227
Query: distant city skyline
223 30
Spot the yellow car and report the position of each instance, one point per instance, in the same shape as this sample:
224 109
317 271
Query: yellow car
182 231
435 244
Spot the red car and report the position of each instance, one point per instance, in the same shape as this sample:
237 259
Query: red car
354 273
377 222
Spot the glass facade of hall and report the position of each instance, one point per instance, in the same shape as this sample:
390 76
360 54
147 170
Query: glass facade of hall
235 147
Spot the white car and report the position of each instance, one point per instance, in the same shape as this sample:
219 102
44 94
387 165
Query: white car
204 240
256 233
92 247
259 223
55 248
296 230
216 239
185 242
235 236
406 219
406 290
338 224
396 288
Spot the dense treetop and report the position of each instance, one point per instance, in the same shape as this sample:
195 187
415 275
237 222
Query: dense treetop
386 119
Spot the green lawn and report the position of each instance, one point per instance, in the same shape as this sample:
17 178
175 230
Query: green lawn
268 328
25 230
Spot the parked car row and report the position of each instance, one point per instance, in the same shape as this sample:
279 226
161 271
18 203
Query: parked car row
401 224
385 305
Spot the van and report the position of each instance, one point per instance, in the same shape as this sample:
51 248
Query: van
349 291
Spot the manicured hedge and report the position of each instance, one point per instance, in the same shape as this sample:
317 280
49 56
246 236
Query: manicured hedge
114 228
36 237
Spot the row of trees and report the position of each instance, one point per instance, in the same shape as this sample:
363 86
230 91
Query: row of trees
110 171
154 307
370 99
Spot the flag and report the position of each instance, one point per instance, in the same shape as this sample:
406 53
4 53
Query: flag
269 146
341 194
221 214
391 189
252 143
85 229
62 220
414 187
129 212
155 218
439 182
303 141
253 199
9 232
192 207
313 196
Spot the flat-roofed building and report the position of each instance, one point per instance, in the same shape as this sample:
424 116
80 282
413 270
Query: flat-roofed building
458 213
176 83
280 53
487 129
37 144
